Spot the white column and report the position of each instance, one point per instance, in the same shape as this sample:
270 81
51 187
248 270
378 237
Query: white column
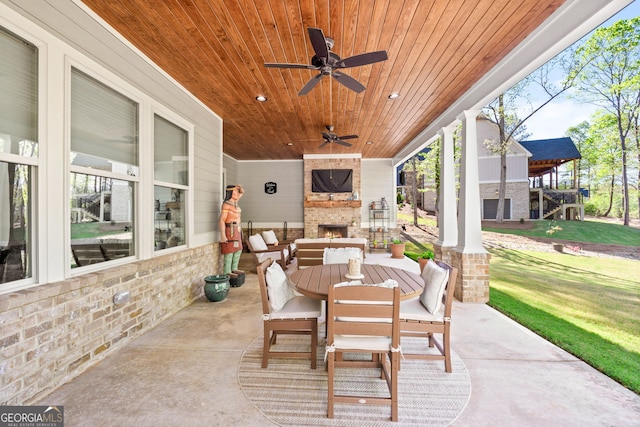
447 212
469 217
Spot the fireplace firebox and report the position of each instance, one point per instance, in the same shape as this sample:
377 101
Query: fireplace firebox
332 230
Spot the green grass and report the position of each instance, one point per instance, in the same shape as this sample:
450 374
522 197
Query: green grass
87 230
587 306
402 217
580 231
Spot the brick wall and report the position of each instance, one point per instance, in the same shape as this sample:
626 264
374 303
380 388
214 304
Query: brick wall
335 215
51 333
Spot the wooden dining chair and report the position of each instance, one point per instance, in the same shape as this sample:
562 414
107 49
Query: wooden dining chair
284 313
430 313
364 319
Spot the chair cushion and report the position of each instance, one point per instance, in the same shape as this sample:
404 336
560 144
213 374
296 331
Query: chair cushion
257 243
340 255
269 237
261 256
435 279
299 307
278 287
357 342
412 309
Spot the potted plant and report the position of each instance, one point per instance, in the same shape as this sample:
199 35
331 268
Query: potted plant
424 257
397 248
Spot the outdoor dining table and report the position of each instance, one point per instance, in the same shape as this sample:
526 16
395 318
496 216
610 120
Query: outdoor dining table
314 281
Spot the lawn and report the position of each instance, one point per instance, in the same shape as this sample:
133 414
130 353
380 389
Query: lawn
587 306
580 231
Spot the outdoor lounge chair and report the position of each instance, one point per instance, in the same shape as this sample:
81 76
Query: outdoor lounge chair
261 251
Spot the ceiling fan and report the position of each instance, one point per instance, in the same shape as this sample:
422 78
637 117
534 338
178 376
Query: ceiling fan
330 137
328 63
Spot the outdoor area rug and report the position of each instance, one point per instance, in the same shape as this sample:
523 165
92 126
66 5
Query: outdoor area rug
290 393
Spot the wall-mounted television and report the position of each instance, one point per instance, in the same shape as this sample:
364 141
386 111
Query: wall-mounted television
332 180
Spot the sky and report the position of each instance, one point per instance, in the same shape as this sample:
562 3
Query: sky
553 120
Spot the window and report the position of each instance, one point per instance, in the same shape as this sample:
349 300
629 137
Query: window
490 208
18 155
171 180
104 170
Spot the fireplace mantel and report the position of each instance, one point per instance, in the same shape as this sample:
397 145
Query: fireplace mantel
332 203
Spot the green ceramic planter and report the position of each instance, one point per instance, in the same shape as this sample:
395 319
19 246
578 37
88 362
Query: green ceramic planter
216 288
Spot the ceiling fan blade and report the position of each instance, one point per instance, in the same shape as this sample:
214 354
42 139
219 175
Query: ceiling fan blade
327 136
348 81
363 59
323 144
276 65
310 85
319 43
346 144
348 137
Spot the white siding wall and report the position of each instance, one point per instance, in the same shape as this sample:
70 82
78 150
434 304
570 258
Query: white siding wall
378 180
271 210
489 163
68 35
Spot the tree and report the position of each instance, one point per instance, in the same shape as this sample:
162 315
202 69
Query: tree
504 111
578 135
608 75
601 150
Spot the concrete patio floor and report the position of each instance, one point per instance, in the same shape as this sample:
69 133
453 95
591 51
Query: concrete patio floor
184 373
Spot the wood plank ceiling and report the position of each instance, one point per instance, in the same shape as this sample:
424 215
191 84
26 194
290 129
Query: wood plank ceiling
216 49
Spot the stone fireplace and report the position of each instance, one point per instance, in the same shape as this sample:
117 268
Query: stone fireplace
339 209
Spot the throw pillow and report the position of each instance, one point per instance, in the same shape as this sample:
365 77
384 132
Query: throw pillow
278 287
257 243
269 237
340 255
435 279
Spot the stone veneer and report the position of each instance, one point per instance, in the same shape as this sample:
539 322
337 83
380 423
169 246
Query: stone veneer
472 283
338 212
51 333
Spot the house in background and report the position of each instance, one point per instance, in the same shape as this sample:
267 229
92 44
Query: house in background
528 163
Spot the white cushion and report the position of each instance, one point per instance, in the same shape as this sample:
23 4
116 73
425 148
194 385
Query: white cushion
435 279
299 307
412 309
269 237
257 243
275 256
357 342
278 287
340 255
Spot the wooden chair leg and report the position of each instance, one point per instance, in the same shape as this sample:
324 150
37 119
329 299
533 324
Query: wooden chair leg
265 347
394 386
314 345
330 381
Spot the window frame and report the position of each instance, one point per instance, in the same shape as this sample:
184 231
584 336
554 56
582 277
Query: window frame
33 162
187 190
100 77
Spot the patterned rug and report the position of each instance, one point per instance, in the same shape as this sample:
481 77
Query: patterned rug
290 393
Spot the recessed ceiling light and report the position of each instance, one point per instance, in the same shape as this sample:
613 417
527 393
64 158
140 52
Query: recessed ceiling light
369 142
289 143
261 98
394 95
